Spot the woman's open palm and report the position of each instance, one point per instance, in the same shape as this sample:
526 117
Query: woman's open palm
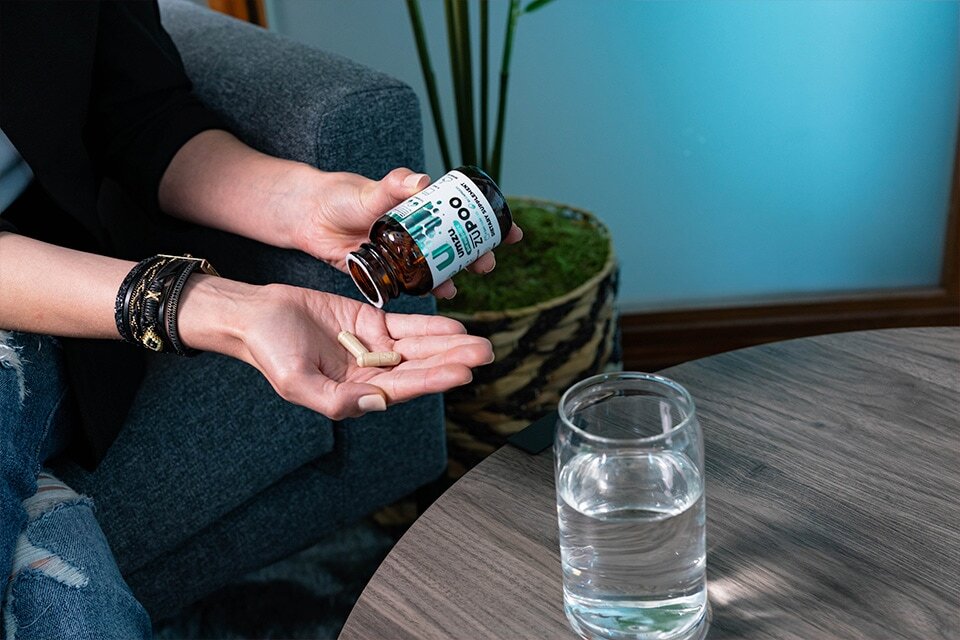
292 339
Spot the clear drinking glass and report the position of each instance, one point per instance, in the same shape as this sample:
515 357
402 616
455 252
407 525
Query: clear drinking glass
630 501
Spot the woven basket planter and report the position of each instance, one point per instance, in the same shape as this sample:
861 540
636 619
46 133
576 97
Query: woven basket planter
540 351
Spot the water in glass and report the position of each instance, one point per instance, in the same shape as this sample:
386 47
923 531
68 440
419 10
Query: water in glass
632 543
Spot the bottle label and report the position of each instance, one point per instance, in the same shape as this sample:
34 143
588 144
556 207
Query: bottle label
451 222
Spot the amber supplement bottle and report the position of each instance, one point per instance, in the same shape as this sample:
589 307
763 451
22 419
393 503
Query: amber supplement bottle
431 236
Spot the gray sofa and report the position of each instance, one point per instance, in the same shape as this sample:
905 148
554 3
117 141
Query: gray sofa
241 478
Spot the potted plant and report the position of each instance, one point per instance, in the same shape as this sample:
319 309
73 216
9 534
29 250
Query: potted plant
549 307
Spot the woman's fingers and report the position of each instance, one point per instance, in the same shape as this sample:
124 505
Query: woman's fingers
514 235
478 351
379 196
402 384
487 262
402 183
446 290
404 325
348 399
412 378
482 266
484 263
336 400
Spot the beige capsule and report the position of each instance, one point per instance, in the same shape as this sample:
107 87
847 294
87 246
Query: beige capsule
378 359
352 344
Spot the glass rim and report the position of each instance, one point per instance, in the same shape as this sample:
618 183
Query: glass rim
627 375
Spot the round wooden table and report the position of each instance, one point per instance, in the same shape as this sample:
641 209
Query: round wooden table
833 506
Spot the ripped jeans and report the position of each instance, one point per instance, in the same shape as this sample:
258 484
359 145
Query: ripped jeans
58 577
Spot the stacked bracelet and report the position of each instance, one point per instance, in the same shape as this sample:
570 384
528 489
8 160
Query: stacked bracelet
149 299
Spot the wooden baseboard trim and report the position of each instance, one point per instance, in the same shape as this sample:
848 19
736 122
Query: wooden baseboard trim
653 341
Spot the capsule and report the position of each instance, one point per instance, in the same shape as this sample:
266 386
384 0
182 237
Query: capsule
351 343
378 359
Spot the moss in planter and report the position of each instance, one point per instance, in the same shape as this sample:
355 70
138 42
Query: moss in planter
557 254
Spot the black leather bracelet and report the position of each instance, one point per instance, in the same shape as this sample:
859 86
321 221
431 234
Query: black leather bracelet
137 308
153 333
147 302
171 307
122 303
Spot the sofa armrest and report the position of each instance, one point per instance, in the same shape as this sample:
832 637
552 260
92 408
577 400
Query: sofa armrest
292 101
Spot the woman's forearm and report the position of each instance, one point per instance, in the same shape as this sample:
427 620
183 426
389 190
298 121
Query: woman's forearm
51 290
217 181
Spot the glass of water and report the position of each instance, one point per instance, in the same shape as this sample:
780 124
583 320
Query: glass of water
630 500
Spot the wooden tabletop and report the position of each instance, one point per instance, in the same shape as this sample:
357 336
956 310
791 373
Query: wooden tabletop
833 506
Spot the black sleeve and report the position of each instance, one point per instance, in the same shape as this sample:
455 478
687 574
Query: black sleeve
142 108
6 226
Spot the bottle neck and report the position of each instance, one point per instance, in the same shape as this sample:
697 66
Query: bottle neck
373 275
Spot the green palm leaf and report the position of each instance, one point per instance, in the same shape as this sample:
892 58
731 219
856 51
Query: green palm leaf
536 4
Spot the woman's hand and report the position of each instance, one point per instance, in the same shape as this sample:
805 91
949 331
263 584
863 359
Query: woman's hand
216 181
336 214
290 335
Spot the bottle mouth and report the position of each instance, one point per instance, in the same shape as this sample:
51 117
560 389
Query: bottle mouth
364 281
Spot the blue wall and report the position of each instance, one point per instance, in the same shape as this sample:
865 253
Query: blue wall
736 149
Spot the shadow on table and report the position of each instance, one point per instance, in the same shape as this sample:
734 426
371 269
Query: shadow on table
791 581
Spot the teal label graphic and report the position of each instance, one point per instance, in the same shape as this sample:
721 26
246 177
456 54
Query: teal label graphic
452 223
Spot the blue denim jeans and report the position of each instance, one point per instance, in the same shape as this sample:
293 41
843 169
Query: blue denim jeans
58 576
